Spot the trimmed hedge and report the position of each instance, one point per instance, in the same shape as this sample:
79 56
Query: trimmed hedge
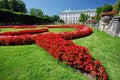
11 18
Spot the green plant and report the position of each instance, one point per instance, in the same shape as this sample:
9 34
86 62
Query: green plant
116 6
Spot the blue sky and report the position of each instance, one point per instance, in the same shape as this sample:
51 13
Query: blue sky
54 7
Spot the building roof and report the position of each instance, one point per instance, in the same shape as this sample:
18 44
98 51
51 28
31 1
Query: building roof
67 11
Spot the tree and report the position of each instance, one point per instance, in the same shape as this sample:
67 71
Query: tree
83 18
116 6
98 11
45 16
22 6
107 8
39 12
60 21
4 4
17 6
36 12
55 18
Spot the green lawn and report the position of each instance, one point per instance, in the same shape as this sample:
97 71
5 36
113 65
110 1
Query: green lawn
56 30
30 62
105 48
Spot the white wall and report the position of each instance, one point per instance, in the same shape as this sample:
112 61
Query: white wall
73 16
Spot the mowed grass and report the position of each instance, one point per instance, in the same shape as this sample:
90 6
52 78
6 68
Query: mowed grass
56 30
105 48
30 62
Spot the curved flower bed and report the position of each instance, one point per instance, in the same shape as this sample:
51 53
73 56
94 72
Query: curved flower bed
25 26
65 26
21 32
77 57
60 47
17 40
80 31
77 33
5 26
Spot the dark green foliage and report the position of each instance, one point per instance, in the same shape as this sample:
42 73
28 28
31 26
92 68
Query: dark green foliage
13 5
12 18
104 8
17 6
98 11
83 18
60 20
107 8
56 18
4 4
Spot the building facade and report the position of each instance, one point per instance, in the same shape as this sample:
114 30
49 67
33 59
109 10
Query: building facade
72 16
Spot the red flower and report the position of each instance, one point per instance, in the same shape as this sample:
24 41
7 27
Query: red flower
101 69
97 62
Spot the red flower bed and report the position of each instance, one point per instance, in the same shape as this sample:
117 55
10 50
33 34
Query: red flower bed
73 55
5 26
26 26
60 47
77 33
81 31
16 40
65 26
23 26
21 32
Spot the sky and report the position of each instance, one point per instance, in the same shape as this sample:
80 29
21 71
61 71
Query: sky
55 7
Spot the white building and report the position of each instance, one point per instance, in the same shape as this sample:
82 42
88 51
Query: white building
72 16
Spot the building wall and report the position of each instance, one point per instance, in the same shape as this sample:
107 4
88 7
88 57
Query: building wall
72 17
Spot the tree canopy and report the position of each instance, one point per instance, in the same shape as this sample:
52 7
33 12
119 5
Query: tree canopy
55 18
4 4
13 5
36 12
104 8
116 6
83 18
107 8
